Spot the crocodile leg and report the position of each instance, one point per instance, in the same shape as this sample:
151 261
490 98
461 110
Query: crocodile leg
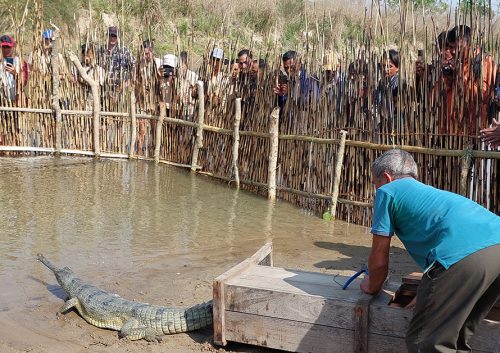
133 331
71 303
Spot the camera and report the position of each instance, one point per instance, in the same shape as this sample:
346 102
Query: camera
10 61
168 71
448 68
497 93
283 78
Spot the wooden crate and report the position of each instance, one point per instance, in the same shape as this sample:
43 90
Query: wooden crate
301 311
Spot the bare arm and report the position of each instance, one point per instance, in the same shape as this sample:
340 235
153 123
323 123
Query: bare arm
378 265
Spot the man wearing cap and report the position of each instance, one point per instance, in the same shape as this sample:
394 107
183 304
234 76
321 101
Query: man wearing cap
9 68
216 78
168 71
116 60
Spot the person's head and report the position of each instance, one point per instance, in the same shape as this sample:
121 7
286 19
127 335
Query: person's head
235 69
183 57
48 38
458 40
391 62
244 59
148 50
87 52
8 44
357 69
169 66
290 64
216 59
254 69
112 36
393 164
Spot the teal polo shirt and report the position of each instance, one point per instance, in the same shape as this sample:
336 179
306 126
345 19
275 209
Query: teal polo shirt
434 225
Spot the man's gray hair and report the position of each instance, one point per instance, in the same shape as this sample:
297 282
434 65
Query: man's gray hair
395 162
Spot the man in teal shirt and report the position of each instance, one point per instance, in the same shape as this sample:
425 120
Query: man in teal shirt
453 239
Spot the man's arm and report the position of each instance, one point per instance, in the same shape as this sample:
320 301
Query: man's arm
378 265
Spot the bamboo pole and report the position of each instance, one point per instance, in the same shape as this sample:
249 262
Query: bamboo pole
199 129
54 61
159 126
273 154
338 169
464 170
236 141
96 106
133 125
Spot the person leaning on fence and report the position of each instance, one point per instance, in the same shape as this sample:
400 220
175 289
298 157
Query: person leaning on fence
9 68
116 61
216 81
468 75
491 135
188 90
294 83
453 239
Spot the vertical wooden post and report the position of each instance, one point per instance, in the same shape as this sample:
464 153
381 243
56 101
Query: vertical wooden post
338 169
54 63
273 154
199 129
236 141
133 125
159 126
464 169
96 108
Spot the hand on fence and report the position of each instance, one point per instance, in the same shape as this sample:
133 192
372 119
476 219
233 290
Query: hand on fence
491 135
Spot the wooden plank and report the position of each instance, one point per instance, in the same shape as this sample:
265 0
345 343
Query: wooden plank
297 282
296 336
361 312
262 256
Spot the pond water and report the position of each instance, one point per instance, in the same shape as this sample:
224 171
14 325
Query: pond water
152 233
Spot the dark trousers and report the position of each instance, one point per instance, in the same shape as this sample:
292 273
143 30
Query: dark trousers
451 303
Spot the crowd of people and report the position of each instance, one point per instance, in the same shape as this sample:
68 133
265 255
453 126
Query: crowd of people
464 79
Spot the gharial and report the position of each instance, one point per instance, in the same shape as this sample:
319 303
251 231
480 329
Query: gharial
133 320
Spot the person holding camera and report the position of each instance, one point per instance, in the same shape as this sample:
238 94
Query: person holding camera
9 68
467 73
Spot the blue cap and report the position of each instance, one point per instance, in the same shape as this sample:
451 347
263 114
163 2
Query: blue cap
48 34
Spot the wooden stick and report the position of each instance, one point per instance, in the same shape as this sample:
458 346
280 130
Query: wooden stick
55 91
96 107
199 129
273 154
133 125
236 141
336 179
159 127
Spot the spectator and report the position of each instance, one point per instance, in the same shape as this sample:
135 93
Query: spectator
116 61
244 61
169 82
9 68
188 90
476 71
216 78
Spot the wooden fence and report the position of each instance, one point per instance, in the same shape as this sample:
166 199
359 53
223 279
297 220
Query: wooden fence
247 142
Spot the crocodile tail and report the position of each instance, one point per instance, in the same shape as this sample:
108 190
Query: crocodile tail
46 262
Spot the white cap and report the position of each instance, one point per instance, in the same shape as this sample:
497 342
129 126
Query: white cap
218 53
170 60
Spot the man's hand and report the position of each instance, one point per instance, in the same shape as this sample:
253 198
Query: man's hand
281 89
491 135
10 69
365 285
